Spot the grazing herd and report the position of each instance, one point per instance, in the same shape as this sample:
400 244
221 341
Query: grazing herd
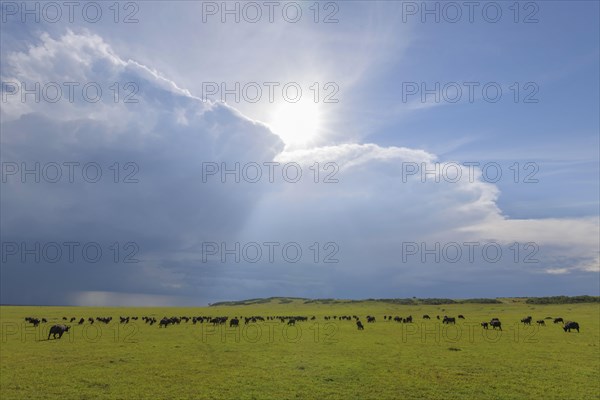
494 323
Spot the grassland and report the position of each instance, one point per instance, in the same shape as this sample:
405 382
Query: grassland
318 359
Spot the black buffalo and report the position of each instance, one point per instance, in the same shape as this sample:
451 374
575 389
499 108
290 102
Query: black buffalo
571 325
557 320
485 325
448 320
58 330
526 321
359 325
34 321
495 323
541 322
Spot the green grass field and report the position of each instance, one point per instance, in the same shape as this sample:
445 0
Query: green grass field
318 359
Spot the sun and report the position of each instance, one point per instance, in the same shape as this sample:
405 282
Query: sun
297 124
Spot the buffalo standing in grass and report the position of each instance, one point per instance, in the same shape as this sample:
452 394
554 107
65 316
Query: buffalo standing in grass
165 322
571 325
557 320
359 325
526 321
495 323
58 330
34 321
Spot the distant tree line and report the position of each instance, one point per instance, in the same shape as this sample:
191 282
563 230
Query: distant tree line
563 300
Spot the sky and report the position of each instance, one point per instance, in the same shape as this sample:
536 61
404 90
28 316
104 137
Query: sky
183 153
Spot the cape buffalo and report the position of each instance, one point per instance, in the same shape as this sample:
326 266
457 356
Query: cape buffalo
571 325
495 323
526 321
557 320
58 330
448 320
34 321
164 322
359 325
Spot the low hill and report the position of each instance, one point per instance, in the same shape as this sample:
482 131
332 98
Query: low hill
415 301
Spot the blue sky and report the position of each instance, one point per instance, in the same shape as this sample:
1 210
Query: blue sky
368 219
